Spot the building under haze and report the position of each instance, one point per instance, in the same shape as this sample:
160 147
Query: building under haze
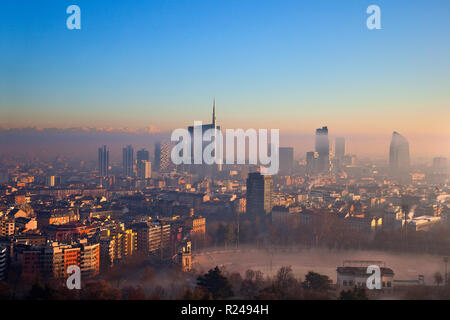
128 161
323 149
204 169
311 161
259 194
339 148
399 160
286 160
103 161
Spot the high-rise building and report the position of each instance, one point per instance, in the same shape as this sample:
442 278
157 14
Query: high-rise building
259 194
286 160
323 149
3 262
163 162
144 169
103 161
142 154
339 148
204 169
128 161
399 153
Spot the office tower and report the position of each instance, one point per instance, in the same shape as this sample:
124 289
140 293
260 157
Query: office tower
142 154
103 161
286 160
339 148
323 149
259 194
399 153
128 161
163 162
204 169
144 169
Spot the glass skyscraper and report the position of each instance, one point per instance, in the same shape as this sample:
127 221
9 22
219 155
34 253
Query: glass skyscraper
399 159
128 161
323 149
103 161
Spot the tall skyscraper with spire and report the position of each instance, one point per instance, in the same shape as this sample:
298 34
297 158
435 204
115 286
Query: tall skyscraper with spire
214 113
204 169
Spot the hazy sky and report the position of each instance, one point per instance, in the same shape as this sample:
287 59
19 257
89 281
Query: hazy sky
289 64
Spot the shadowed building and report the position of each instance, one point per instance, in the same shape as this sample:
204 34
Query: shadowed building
286 160
128 161
259 194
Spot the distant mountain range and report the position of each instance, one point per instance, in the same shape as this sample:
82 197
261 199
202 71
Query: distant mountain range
145 130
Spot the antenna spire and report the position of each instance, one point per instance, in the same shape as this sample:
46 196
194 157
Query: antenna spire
214 113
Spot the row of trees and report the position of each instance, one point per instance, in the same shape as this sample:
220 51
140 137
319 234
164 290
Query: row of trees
327 230
217 284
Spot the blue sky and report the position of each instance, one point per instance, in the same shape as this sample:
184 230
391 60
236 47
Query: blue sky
280 64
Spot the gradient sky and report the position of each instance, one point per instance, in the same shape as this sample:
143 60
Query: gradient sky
289 64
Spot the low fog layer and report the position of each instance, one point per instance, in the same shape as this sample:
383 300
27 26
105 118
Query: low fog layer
405 266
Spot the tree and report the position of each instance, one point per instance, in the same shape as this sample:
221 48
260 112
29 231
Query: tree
99 290
284 281
131 293
158 293
316 281
5 291
355 294
285 286
39 291
148 275
438 279
252 284
196 294
216 284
